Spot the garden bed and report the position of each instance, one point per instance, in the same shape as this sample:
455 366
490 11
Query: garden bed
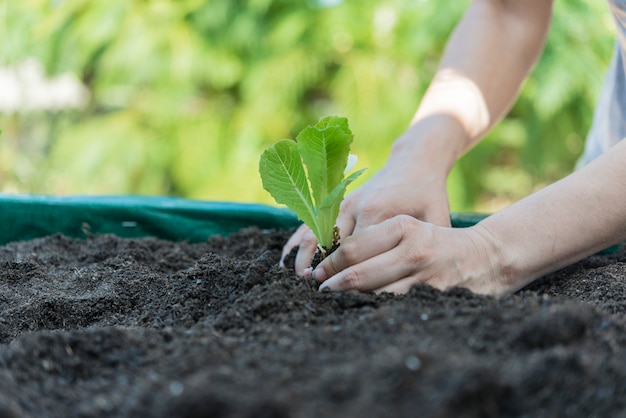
109 326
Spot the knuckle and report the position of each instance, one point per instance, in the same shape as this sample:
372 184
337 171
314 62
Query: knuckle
352 279
308 239
373 213
296 238
403 224
302 231
346 205
349 252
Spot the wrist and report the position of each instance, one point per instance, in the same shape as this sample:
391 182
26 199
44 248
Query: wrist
436 141
509 265
488 266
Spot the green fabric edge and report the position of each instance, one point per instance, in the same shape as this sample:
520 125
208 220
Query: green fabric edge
25 217
31 216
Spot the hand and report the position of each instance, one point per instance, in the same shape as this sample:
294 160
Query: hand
402 187
396 254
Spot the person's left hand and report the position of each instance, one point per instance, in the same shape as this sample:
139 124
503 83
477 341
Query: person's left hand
396 254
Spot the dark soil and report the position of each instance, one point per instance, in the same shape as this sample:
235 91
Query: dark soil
109 327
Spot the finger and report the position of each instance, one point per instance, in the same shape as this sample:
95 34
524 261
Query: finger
292 242
404 285
332 267
308 246
374 273
379 259
366 244
364 221
398 287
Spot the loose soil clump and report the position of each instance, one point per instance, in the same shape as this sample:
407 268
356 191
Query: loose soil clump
111 327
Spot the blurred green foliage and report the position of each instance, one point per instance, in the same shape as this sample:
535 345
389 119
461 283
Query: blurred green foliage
185 94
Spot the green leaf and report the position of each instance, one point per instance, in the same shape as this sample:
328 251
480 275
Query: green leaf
324 149
337 194
328 210
283 175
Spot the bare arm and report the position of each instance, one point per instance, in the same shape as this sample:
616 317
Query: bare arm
548 230
486 59
488 56
568 220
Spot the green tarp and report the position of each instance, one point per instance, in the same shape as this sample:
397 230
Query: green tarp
30 216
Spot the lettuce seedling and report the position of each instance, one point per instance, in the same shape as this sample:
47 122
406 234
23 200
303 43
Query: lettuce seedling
308 175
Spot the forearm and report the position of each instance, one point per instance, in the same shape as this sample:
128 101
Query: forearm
486 59
573 218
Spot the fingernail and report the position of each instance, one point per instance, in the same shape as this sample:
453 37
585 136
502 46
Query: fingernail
308 272
319 274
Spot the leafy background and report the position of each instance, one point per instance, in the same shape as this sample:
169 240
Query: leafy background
185 95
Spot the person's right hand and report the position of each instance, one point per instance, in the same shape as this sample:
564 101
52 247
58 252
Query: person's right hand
402 251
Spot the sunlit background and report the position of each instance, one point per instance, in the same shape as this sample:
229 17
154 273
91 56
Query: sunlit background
180 97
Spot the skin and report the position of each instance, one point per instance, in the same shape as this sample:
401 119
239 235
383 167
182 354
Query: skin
396 227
